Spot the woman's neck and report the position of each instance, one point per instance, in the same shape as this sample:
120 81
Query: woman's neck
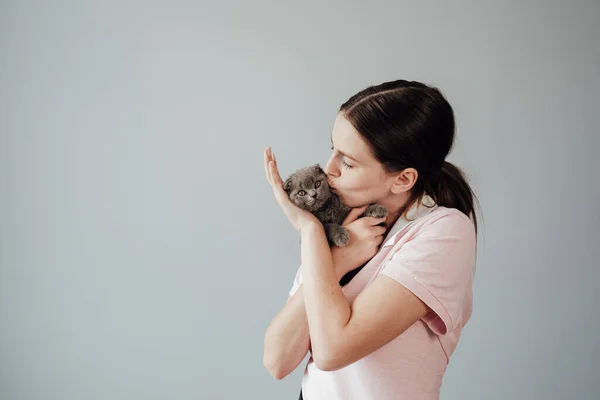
396 205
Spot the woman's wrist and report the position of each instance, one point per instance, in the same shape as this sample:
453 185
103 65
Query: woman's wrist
310 226
337 255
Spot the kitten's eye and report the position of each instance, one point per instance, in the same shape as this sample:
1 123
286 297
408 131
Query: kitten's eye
301 193
317 184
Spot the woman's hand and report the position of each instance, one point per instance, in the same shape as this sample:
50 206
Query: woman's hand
365 238
298 217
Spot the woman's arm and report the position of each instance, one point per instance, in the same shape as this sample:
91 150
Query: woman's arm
327 309
342 333
287 339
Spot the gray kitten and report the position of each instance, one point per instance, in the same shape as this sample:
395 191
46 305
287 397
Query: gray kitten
308 189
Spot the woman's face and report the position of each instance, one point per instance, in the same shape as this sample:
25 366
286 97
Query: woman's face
352 171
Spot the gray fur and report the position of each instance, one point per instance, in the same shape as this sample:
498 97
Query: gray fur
308 189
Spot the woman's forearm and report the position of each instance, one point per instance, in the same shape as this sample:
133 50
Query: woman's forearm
287 338
327 309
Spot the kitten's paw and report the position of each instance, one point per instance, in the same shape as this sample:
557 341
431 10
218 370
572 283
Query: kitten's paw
337 235
341 237
375 210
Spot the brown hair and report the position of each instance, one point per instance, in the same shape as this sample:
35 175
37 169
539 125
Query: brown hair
408 124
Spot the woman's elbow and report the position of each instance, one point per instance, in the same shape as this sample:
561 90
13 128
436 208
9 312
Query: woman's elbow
274 367
325 364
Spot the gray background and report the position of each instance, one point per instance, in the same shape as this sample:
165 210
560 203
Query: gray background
142 254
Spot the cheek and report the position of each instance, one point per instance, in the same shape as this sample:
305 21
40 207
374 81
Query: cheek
353 182
299 201
357 190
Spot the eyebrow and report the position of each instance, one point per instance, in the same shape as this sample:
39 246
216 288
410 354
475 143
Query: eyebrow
344 154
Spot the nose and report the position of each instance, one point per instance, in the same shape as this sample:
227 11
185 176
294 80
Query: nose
313 194
330 168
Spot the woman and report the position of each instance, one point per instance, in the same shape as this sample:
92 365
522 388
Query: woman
389 332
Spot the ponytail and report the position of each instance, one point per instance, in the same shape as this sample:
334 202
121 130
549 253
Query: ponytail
411 124
449 188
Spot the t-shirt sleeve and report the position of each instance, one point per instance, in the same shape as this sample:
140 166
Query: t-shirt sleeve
436 265
297 281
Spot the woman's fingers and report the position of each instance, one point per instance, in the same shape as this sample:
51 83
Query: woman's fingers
376 230
267 159
272 173
275 178
354 214
373 221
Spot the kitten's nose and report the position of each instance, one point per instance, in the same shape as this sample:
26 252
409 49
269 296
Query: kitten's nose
313 195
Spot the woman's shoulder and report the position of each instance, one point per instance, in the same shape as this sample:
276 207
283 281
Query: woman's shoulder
450 220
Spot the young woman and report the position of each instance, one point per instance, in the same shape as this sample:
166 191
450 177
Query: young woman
387 332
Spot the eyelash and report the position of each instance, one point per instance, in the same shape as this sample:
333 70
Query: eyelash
344 163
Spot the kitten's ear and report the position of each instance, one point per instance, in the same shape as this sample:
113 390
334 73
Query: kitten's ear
317 168
287 185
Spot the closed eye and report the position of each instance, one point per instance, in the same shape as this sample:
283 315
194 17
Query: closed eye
346 165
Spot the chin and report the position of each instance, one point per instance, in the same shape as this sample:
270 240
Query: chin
347 202
352 203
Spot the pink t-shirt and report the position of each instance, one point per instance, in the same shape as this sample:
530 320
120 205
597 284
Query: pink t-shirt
434 257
